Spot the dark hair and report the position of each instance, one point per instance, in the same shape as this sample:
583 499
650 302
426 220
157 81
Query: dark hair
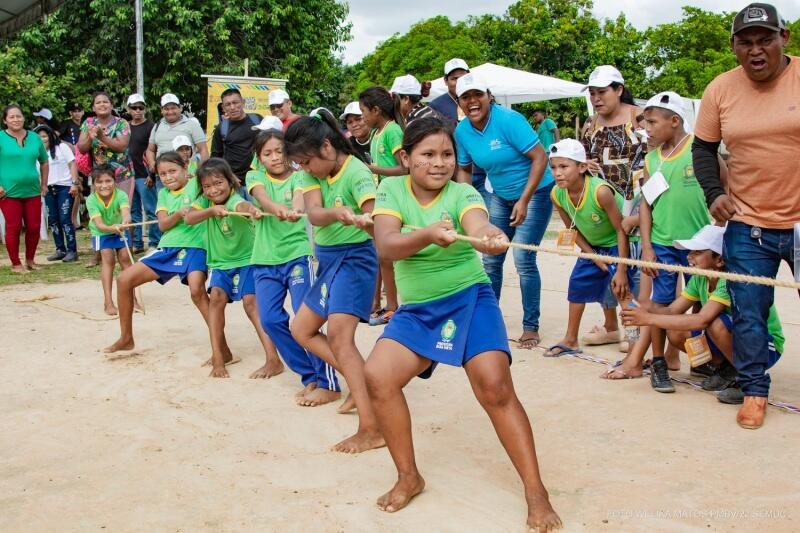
626 97
8 108
421 128
101 93
539 110
216 166
425 90
263 138
170 157
54 139
306 135
228 92
103 169
388 104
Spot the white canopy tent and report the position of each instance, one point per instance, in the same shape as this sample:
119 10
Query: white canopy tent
512 86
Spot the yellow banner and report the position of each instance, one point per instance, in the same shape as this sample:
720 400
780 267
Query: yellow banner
255 92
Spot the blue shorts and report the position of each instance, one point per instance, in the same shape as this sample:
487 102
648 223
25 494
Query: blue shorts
108 242
346 278
726 319
666 283
236 282
451 330
170 262
588 283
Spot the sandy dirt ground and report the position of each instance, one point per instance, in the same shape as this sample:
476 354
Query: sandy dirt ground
149 443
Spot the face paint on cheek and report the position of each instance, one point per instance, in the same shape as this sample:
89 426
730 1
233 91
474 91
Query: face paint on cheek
421 164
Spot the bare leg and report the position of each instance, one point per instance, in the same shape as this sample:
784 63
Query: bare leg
107 263
573 326
273 365
722 338
387 274
610 316
389 368
197 290
490 376
216 327
127 281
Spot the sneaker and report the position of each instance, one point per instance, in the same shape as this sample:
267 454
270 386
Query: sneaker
733 395
71 257
659 376
705 370
724 377
381 319
58 256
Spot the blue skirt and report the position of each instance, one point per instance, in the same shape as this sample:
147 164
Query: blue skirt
451 330
170 262
346 278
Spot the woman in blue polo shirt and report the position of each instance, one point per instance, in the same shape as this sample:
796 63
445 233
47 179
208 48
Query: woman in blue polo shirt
503 143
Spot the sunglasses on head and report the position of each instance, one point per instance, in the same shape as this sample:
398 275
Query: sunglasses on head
137 108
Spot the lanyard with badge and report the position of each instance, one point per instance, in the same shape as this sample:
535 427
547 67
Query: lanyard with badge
567 237
657 184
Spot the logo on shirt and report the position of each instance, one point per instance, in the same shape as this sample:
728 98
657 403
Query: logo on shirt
297 275
445 217
323 292
338 201
225 228
495 144
179 259
595 218
235 284
287 195
448 332
381 149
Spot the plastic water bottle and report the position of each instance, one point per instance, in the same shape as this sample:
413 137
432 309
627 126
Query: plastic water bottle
632 332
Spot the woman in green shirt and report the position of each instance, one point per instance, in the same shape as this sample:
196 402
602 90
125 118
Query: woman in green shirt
22 186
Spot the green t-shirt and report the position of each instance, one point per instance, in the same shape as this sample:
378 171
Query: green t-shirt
277 242
433 272
191 168
588 216
384 144
545 133
697 291
110 213
19 175
351 187
680 211
229 239
181 235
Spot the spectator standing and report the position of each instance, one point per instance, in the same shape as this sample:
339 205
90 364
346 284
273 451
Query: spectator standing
546 129
280 105
360 134
70 130
172 124
144 195
233 137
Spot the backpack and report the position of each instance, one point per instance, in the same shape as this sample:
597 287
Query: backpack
225 125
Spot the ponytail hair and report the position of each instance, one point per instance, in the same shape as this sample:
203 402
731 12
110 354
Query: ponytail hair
386 102
306 135
626 97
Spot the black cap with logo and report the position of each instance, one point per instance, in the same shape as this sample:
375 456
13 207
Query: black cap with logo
74 106
758 16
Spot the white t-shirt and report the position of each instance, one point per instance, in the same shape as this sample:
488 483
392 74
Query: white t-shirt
59 173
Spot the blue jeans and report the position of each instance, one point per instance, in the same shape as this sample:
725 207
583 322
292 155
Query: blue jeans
59 204
750 303
530 232
144 196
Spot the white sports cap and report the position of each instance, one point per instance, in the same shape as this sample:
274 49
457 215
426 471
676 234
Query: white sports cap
407 84
352 109
569 148
169 98
603 76
269 122
708 238
454 64
278 96
673 102
135 98
179 141
470 82
44 113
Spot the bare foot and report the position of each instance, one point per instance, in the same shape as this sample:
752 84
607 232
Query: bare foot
227 359
120 345
305 390
529 340
401 494
219 372
19 269
137 307
111 309
361 442
541 516
318 397
270 369
34 266
349 404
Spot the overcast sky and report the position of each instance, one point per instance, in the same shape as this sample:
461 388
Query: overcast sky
375 20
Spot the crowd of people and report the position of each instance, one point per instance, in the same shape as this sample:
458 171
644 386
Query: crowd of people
391 189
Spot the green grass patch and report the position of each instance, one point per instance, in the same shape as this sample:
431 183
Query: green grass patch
57 271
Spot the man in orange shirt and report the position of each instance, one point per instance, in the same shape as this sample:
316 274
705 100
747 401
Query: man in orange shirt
755 110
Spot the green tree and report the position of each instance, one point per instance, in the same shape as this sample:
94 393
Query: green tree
27 87
92 43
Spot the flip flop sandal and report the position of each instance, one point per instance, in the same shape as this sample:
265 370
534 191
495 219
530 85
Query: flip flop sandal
565 350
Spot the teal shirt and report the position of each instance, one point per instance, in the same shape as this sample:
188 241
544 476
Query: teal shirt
545 133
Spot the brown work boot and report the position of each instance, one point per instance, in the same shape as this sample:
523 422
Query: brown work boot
752 413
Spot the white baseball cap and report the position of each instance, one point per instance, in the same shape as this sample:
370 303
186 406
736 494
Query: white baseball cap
269 122
569 148
278 96
407 84
136 98
352 109
169 98
179 141
708 238
44 113
603 76
671 101
454 64
470 82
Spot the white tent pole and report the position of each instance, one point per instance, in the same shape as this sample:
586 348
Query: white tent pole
139 48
